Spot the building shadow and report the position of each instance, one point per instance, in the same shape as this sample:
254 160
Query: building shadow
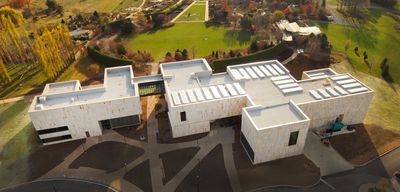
363 147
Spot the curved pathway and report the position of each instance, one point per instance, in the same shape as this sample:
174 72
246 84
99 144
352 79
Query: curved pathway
60 184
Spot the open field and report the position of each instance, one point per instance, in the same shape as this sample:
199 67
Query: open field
382 111
17 139
378 38
128 3
79 70
75 6
191 36
195 13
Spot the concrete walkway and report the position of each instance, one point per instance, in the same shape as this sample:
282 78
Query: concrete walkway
326 158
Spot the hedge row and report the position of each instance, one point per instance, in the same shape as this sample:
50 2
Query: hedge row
107 60
172 8
267 54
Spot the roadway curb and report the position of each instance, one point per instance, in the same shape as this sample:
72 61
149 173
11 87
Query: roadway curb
65 179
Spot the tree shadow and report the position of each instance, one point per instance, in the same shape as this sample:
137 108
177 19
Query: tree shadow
31 160
232 37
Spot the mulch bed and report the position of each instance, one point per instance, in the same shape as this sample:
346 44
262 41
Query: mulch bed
174 161
211 172
368 142
140 176
303 63
109 156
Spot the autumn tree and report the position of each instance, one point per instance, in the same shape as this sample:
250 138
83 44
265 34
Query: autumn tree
15 15
19 3
4 77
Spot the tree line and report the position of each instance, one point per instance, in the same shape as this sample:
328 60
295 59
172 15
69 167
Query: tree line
50 49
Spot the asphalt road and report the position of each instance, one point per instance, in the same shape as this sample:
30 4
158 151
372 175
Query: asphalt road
373 172
60 185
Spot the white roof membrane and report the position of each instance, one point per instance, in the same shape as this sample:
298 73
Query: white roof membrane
223 90
231 90
332 92
340 90
292 90
357 90
285 81
175 98
192 98
277 68
183 96
239 88
340 77
244 73
198 94
265 71
251 72
315 95
236 74
207 93
215 92
324 93
272 70
258 71
351 85
290 85
280 77
347 81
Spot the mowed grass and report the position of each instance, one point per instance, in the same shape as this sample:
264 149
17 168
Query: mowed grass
17 136
195 13
397 6
128 3
88 6
378 38
195 37
383 110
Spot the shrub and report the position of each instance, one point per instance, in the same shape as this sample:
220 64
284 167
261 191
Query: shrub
106 59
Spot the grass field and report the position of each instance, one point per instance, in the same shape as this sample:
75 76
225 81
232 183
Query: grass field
191 36
397 6
128 3
383 109
378 38
89 6
195 13
17 139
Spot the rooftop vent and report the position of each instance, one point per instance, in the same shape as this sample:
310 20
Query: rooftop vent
39 107
327 82
42 99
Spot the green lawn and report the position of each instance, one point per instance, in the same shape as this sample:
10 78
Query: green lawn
383 110
378 38
89 6
397 6
128 3
191 36
17 140
195 13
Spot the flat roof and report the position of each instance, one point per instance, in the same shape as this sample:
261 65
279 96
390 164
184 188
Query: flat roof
118 83
267 84
61 87
183 74
271 116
